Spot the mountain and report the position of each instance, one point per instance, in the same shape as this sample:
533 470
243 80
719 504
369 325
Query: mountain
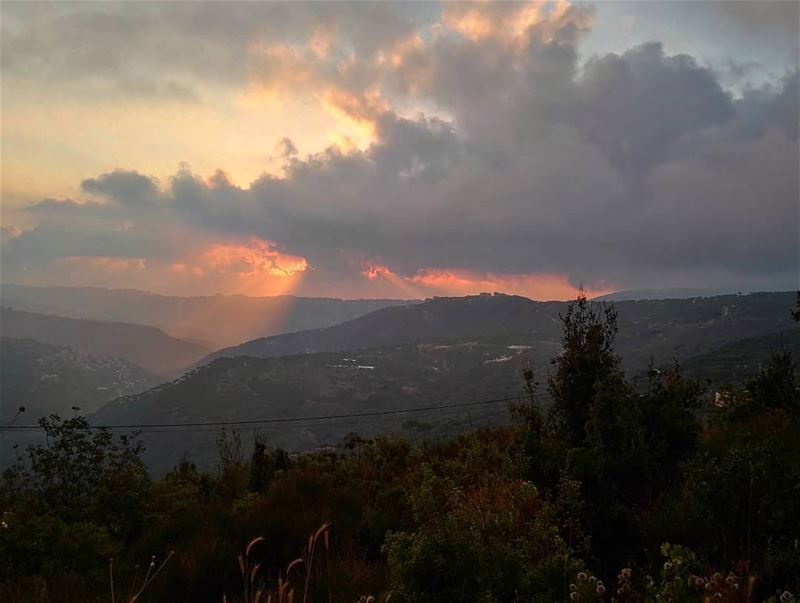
443 351
670 293
324 384
147 347
444 318
217 320
663 328
49 379
738 361
52 379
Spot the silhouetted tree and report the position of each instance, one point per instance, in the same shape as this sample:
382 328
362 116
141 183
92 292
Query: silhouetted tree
265 463
587 358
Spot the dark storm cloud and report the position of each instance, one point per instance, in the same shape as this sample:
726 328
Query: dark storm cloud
636 169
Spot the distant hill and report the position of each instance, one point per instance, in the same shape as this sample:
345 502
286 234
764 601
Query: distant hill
147 347
443 351
387 378
215 321
49 379
664 328
440 318
670 293
737 362
52 379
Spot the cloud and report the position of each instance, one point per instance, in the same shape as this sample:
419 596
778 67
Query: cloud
125 188
170 51
775 18
492 158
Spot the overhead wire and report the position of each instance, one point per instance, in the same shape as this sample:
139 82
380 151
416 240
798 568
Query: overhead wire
211 426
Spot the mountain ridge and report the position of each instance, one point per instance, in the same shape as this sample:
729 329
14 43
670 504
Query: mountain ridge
145 346
215 320
464 360
644 323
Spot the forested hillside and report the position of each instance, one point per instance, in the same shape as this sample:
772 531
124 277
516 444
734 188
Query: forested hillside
465 349
52 379
664 328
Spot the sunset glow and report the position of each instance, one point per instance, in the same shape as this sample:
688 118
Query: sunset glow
451 148
433 282
254 269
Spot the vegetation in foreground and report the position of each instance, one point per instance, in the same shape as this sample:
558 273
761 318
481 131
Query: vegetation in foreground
607 494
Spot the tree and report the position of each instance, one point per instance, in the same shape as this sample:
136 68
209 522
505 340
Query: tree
265 463
84 474
73 502
588 358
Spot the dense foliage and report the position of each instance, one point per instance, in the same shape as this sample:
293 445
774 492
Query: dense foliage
598 491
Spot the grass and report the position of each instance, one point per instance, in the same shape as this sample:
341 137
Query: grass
134 593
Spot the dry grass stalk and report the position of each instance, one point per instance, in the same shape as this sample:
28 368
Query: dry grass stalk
150 576
283 593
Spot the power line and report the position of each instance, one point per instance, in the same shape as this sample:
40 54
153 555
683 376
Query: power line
187 426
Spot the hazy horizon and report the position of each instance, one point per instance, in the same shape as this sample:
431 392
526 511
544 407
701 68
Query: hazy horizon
667 291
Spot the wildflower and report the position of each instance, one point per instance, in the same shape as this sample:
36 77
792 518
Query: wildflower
786 597
730 580
582 576
698 582
573 596
572 588
667 566
626 573
600 588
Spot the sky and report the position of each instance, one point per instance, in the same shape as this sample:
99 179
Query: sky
378 149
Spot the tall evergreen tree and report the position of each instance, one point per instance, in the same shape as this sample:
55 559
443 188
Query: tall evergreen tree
587 359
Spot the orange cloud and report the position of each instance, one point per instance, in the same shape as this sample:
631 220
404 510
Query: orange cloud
472 21
322 40
387 282
254 268
184 268
534 286
509 22
458 282
361 111
257 268
259 258
111 265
